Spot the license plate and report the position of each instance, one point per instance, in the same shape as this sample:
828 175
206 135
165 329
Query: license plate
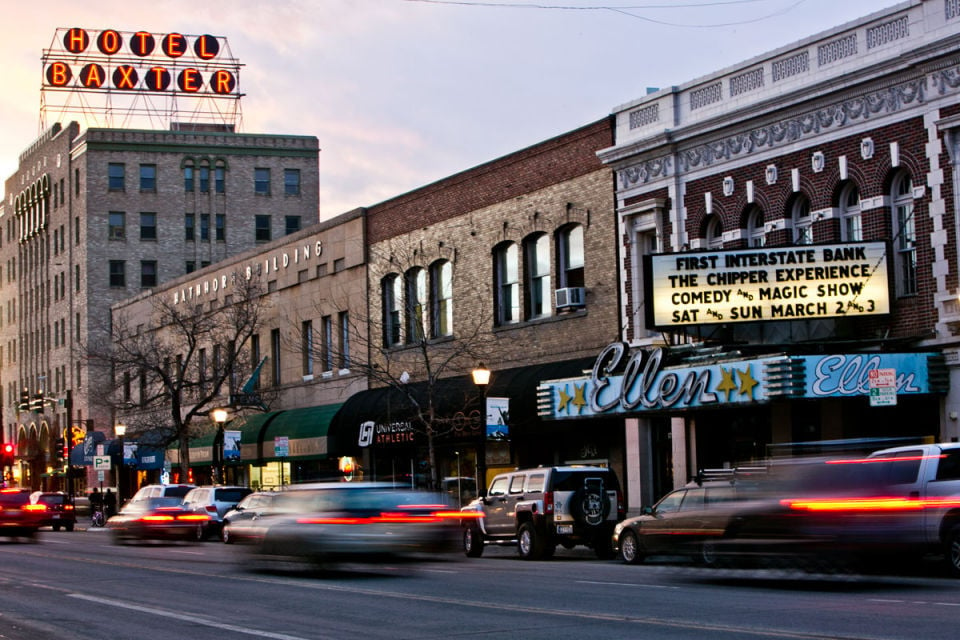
56 516
564 528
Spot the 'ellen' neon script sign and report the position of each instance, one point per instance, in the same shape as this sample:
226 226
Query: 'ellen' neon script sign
140 61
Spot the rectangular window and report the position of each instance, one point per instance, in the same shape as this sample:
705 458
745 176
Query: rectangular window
291 224
255 357
291 182
344 321
220 227
148 274
115 177
220 179
188 179
190 266
202 369
506 274
261 182
326 347
275 355
189 226
148 177
204 227
262 228
117 275
117 225
148 226
306 341
204 179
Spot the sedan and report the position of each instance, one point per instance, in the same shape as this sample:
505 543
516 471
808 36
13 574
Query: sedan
18 516
685 522
155 519
252 507
59 512
365 522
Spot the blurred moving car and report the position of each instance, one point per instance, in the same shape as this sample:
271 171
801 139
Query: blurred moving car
162 491
214 502
253 506
18 516
155 519
59 512
687 521
359 522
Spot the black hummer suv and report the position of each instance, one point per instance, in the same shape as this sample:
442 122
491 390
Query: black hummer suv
542 507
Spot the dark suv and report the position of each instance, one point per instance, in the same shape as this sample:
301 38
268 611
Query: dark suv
546 506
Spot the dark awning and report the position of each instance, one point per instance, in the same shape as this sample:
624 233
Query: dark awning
452 396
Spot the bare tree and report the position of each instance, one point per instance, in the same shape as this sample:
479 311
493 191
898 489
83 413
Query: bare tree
413 346
161 374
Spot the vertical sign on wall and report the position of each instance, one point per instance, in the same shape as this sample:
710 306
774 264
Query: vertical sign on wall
883 387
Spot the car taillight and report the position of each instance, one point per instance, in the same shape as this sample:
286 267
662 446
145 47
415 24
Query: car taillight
211 508
34 507
68 507
193 517
621 508
548 501
157 518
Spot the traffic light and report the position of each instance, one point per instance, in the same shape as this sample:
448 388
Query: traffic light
38 402
9 451
24 400
60 450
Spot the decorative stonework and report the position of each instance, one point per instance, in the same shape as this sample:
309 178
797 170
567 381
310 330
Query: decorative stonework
888 32
706 95
836 116
728 186
866 148
788 67
817 161
837 50
645 171
646 115
745 82
771 174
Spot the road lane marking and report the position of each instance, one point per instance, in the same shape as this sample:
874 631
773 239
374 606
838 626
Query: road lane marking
626 584
176 615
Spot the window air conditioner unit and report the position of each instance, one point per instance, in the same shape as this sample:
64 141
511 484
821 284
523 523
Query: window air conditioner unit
570 298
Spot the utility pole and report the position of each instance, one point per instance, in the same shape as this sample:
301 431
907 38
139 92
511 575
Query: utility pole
68 405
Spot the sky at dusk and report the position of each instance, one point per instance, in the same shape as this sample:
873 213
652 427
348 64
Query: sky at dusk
401 93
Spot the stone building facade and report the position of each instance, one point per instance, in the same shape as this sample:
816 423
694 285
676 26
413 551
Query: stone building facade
95 216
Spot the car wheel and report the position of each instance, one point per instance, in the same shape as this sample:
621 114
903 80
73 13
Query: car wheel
472 542
225 535
201 533
708 553
529 544
69 526
55 527
630 551
952 551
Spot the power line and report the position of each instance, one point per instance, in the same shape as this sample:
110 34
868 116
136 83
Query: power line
626 10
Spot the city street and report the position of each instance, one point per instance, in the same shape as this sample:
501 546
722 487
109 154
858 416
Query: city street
79 585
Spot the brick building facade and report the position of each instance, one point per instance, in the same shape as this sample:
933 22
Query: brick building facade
740 198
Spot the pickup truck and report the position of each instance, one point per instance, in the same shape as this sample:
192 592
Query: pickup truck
928 476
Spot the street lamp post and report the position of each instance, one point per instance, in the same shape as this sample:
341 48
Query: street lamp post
120 430
219 417
481 378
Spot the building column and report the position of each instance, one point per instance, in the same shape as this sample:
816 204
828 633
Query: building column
638 482
678 438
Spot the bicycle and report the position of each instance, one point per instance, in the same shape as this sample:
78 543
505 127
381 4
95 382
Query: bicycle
98 519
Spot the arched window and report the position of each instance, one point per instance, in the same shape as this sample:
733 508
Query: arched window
390 289
536 253
756 235
570 256
416 289
714 233
204 174
441 299
851 224
905 234
802 220
188 176
507 283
